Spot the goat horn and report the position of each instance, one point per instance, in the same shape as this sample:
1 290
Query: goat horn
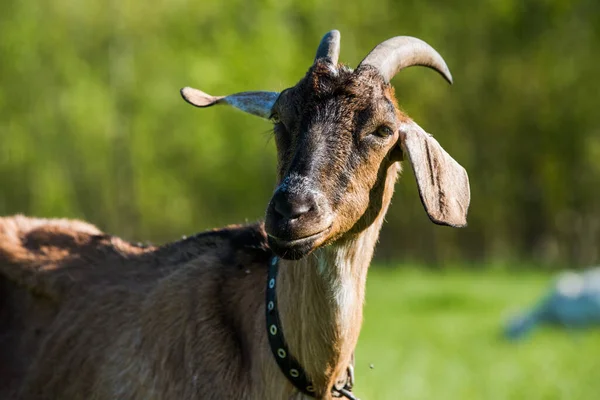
401 52
329 47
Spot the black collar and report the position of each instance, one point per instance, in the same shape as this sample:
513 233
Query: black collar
288 364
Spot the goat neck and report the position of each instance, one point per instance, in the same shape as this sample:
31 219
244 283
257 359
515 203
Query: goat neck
321 296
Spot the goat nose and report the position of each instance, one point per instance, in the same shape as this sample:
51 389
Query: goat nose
292 207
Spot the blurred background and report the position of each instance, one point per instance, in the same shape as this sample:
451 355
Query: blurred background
92 126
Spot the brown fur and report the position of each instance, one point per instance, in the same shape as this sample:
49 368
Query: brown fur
84 315
112 320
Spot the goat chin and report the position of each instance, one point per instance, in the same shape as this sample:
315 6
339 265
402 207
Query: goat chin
297 248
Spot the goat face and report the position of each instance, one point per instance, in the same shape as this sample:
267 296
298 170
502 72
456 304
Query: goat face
336 133
339 134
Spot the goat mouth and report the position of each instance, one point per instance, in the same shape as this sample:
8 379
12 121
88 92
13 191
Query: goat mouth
295 249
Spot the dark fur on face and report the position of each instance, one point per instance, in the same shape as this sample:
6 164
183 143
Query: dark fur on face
336 133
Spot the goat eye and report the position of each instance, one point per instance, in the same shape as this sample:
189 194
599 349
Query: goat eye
275 118
384 131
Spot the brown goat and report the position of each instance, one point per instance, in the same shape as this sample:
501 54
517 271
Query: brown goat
84 315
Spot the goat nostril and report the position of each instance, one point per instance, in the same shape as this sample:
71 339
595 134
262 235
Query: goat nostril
299 209
295 207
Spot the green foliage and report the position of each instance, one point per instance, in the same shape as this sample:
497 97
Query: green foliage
437 336
92 126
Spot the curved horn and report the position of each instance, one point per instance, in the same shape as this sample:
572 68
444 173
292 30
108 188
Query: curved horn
329 47
401 52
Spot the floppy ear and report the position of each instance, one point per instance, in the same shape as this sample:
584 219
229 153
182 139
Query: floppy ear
257 103
443 183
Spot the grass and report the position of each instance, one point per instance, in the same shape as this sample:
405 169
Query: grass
436 335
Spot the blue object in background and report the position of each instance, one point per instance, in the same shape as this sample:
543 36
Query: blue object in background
573 302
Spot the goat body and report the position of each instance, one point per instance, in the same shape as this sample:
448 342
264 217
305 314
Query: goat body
84 315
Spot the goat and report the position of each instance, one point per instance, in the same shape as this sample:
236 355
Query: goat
84 315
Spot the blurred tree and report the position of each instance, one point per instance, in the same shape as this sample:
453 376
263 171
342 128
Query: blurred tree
91 124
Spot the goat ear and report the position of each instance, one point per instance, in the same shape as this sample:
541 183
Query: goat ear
257 103
443 183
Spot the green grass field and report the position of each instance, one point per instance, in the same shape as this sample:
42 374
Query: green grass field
436 335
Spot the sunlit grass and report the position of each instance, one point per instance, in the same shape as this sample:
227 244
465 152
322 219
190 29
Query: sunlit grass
437 336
